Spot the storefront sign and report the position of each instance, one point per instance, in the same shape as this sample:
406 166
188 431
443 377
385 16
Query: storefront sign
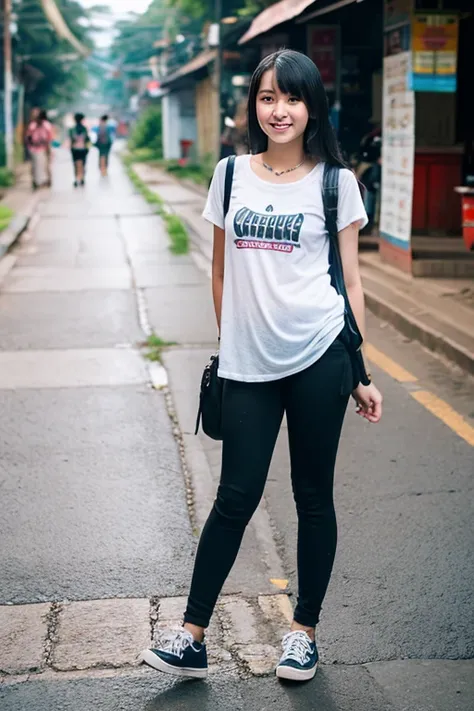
434 53
153 88
398 150
323 42
397 12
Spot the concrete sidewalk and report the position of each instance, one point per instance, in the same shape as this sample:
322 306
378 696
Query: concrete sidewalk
437 312
23 202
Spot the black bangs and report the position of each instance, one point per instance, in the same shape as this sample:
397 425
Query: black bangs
288 76
297 76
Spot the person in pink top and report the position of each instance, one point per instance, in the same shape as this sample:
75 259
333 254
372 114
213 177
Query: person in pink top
38 138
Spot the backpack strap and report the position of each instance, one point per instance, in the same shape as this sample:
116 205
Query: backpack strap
331 197
330 202
350 334
229 175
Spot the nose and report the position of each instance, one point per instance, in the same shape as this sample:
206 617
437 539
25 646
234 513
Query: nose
280 110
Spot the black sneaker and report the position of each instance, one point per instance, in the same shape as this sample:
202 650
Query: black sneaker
299 660
179 654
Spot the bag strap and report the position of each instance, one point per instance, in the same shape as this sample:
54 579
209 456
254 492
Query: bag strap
330 202
229 176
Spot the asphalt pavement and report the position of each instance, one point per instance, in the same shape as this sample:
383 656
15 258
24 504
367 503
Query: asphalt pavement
104 488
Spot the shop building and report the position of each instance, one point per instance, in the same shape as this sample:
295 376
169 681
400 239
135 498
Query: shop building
404 66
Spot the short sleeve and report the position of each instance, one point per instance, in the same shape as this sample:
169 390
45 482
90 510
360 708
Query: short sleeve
214 210
350 206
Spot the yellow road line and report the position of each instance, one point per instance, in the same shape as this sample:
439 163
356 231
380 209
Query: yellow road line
444 412
388 365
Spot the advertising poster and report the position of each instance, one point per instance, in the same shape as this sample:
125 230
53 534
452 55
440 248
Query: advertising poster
434 53
398 150
323 42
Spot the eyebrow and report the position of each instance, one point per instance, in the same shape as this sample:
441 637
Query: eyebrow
266 91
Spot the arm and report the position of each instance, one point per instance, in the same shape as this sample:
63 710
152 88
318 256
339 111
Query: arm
218 272
349 249
367 397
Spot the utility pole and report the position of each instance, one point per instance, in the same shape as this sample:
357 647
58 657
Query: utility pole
8 83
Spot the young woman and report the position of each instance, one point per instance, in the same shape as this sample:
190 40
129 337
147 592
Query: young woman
80 143
279 320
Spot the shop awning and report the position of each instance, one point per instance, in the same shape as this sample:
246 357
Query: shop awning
275 15
198 62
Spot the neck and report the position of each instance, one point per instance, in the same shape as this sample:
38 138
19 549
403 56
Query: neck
284 156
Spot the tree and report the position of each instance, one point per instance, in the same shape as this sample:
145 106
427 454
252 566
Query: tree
51 70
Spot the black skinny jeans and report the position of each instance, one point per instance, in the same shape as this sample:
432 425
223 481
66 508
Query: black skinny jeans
315 402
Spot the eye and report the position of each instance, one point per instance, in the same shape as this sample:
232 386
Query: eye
294 100
266 99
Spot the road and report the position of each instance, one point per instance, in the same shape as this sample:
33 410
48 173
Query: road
99 518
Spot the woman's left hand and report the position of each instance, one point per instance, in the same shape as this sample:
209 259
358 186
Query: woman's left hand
369 402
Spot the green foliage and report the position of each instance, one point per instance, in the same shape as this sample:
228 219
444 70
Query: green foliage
5 216
200 173
137 35
7 179
204 9
154 347
51 73
147 132
177 233
175 227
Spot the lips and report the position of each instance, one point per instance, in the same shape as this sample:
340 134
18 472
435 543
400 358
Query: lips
280 126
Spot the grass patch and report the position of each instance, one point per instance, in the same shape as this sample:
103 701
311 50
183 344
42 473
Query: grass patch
146 155
199 173
154 347
175 227
177 233
7 179
6 216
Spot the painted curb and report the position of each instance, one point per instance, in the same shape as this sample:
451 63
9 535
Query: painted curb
10 235
415 329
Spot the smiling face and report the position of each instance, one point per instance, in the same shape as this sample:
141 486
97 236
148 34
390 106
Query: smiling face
282 117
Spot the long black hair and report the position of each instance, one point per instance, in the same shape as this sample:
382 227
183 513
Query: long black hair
297 75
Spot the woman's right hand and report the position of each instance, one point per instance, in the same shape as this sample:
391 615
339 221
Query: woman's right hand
369 402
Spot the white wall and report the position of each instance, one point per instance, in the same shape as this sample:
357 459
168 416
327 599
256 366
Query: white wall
179 121
171 126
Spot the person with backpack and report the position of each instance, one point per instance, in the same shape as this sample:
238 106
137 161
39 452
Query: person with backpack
290 313
104 143
80 143
39 135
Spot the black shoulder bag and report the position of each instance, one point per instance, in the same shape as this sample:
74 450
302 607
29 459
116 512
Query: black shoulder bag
350 334
210 396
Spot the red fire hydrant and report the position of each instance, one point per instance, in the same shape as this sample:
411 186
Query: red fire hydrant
185 147
467 197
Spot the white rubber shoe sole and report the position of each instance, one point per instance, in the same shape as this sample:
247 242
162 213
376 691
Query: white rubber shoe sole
284 672
153 660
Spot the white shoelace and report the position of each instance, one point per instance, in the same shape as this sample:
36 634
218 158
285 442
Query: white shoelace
297 646
176 642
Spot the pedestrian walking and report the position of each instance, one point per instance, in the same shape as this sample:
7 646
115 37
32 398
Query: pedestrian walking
38 140
80 143
284 348
104 143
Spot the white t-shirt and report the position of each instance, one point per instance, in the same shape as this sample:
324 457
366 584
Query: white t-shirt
279 310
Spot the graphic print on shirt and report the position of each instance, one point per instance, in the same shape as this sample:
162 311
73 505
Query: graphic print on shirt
279 233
